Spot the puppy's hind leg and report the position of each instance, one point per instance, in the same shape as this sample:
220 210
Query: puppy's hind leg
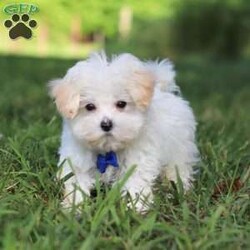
183 158
183 172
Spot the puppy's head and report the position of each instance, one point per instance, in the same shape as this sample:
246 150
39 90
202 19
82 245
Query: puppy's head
105 103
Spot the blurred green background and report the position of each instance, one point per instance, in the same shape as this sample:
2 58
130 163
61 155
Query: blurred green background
149 29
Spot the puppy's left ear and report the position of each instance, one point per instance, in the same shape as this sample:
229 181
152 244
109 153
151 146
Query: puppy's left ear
139 80
67 97
141 87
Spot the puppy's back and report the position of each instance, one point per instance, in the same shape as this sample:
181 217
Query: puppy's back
164 75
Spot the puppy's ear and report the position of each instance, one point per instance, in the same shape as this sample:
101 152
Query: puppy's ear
67 97
139 80
141 87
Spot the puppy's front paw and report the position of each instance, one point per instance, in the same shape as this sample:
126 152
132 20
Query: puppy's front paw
142 201
142 206
73 197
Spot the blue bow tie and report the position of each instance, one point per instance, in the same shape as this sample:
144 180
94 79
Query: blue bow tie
103 161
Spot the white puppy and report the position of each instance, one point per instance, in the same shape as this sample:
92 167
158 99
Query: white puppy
118 114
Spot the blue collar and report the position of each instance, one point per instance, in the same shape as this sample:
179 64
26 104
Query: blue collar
103 161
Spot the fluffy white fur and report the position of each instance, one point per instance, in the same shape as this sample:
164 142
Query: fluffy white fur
155 131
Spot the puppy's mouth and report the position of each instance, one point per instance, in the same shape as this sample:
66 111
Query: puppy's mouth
108 141
108 134
108 137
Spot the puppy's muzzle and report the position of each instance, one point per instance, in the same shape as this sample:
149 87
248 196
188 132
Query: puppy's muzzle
106 125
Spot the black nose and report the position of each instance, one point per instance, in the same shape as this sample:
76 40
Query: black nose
106 125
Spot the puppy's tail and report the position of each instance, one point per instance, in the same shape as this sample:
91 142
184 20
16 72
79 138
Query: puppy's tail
164 74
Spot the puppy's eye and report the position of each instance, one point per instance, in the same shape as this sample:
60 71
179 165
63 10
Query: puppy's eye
121 104
90 107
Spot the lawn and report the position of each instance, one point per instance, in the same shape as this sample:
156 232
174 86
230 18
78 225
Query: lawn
214 215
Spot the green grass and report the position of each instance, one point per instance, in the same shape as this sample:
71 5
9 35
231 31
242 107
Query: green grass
30 212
